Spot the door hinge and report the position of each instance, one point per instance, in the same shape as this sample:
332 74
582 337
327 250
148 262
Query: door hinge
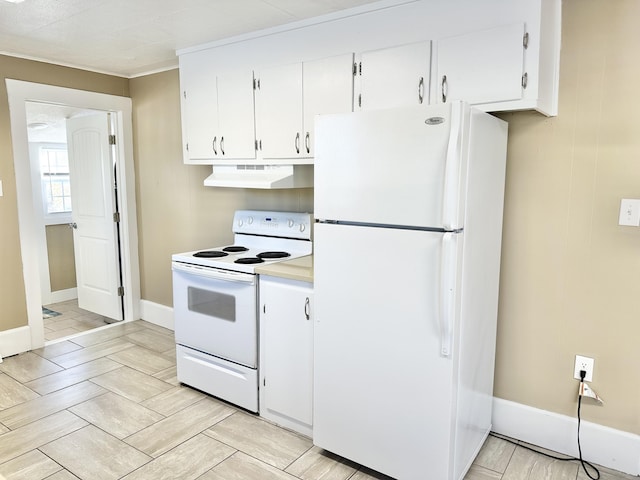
121 291
112 139
264 382
525 40
116 217
525 80
184 94
187 147
355 69
256 84
359 100
264 308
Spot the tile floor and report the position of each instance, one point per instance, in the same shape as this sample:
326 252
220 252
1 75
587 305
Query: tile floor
72 320
107 405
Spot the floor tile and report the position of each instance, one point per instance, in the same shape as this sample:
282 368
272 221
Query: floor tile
34 435
33 465
262 440
480 473
131 384
318 464
179 463
605 474
116 415
368 474
147 361
153 340
528 465
495 454
170 375
62 475
73 375
172 401
55 335
243 467
56 349
106 334
166 434
28 366
156 328
13 393
44 406
92 454
93 352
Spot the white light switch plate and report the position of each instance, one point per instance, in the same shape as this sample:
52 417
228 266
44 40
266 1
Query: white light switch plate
629 212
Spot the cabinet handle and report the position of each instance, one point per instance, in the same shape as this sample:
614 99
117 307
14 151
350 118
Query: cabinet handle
421 90
222 145
307 309
445 87
213 144
307 142
297 142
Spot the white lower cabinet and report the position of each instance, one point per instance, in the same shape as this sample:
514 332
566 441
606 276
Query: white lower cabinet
286 353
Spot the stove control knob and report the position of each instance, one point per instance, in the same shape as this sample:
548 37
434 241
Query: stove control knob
303 227
240 222
291 223
250 220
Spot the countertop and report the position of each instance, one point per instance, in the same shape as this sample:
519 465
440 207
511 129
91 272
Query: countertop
297 269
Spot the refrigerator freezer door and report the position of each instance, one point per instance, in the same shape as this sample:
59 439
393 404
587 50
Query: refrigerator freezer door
384 394
393 167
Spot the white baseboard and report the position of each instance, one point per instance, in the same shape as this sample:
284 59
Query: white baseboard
14 341
157 314
601 445
64 295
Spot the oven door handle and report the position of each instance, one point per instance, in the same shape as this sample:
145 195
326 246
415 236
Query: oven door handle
214 273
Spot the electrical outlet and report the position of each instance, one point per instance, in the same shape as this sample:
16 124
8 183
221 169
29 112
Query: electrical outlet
586 364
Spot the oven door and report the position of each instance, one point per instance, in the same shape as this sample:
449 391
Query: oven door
215 312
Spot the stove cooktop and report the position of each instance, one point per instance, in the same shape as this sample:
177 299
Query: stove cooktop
260 238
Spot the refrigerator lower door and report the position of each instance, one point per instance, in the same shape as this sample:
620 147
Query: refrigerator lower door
384 395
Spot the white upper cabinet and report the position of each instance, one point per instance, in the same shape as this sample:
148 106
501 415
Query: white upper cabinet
236 129
482 67
288 97
393 77
217 115
199 102
327 88
279 111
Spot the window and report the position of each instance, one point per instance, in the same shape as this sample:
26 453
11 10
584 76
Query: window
54 172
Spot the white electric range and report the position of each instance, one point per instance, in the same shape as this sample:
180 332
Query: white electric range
215 299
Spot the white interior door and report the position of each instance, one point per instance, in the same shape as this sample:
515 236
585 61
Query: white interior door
93 201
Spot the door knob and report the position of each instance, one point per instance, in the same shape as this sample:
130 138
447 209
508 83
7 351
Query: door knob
73 225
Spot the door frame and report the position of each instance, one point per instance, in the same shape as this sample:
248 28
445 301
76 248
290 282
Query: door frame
20 92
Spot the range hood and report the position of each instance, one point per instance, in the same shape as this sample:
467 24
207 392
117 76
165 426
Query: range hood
261 176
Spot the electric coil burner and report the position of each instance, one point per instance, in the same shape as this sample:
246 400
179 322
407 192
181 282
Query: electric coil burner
215 294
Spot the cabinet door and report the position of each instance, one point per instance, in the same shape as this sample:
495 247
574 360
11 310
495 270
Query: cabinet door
200 114
279 112
394 77
481 67
327 88
286 345
236 116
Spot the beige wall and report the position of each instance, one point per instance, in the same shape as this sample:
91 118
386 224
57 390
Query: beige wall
12 297
176 212
62 267
570 275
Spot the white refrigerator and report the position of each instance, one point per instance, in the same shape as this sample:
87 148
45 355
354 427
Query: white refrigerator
406 267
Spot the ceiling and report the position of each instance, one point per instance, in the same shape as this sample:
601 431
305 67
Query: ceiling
133 37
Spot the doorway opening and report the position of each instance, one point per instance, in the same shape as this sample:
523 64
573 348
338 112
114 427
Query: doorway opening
59 152
83 105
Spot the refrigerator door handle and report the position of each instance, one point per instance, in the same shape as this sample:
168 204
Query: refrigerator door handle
447 292
451 190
